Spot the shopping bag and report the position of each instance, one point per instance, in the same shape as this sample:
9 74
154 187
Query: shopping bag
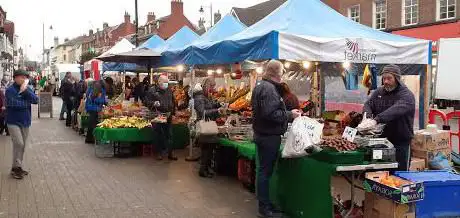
206 127
304 133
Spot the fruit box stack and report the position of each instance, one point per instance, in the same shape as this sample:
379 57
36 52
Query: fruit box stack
394 188
426 145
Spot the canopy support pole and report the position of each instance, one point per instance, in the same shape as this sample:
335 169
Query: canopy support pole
191 156
424 97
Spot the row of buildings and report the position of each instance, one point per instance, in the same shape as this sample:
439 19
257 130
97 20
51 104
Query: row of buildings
9 54
426 19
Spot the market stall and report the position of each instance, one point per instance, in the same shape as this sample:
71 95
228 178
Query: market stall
291 35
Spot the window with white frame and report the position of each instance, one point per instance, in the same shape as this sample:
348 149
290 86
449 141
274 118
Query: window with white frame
446 9
354 13
410 12
380 14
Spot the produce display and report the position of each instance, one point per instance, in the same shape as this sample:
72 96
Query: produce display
181 117
132 109
125 122
180 95
392 181
338 143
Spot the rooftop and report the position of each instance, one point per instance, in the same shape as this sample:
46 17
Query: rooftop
253 14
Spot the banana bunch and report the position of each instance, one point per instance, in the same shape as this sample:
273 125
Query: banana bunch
125 122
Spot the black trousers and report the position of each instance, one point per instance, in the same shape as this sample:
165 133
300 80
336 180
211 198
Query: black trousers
403 156
164 143
207 150
3 126
93 120
69 107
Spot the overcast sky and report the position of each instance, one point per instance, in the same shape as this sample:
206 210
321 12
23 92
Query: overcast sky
71 18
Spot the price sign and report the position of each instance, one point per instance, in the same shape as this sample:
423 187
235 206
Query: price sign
349 134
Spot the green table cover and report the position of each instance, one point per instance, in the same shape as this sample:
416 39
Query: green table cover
123 135
180 135
246 149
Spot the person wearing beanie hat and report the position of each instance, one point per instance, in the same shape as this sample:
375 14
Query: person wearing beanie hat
19 100
393 104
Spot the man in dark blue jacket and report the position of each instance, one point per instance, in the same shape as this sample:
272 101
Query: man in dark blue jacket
270 121
19 99
394 105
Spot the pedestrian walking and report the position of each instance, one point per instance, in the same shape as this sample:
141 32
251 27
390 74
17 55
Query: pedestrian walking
270 121
4 84
160 100
393 104
19 100
68 94
96 99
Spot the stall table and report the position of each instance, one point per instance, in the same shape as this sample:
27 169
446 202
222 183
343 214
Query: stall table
302 186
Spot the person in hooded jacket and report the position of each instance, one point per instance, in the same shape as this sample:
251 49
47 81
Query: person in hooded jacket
207 109
95 100
393 104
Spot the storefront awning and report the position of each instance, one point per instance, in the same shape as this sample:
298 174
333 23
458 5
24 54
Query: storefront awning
433 32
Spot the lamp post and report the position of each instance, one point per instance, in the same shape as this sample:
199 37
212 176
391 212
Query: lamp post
43 44
202 12
137 23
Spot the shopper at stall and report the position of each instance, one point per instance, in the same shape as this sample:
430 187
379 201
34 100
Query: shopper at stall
128 87
270 121
393 104
95 100
63 106
210 110
68 94
160 100
19 99
140 89
109 87
290 100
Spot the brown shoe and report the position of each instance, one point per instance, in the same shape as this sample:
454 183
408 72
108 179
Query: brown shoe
17 173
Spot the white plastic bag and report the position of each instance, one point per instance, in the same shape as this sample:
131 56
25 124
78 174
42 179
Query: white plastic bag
305 132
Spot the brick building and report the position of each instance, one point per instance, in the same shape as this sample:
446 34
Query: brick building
165 26
103 39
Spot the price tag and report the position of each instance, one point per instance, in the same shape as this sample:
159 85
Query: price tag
377 154
349 134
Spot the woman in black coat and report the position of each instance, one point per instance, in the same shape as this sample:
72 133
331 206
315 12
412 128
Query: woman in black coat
210 110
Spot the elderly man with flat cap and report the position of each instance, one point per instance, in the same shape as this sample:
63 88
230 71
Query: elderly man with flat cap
393 104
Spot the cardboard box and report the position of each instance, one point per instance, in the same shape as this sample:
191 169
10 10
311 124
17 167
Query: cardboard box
407 192
417 164
376 206
427 141
429 155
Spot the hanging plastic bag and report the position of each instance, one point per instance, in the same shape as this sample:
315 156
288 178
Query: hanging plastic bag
304 133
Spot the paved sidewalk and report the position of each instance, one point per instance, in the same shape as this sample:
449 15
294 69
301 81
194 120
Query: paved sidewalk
67 180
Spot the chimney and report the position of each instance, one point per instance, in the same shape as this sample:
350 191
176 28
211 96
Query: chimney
151 17
56 41
91 32
127 17
217 17
177 7
105 25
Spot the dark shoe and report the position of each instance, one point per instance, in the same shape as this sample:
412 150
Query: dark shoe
171 157
269 214
89 142
205 174
16 173
61 118
159 157
24 172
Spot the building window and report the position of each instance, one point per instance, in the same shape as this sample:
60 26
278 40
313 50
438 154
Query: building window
64 57
410 12
380 14
353 13
445 9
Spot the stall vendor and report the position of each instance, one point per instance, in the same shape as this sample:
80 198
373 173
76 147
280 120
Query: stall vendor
394 105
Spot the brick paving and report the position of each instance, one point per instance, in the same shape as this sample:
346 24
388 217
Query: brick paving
67 180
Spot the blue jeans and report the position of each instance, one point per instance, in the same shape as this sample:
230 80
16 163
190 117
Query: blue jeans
268 147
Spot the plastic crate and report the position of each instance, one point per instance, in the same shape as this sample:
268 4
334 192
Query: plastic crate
334 157
442 193
103 149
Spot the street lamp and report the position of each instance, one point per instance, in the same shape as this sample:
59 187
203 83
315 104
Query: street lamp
43 52
202 12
